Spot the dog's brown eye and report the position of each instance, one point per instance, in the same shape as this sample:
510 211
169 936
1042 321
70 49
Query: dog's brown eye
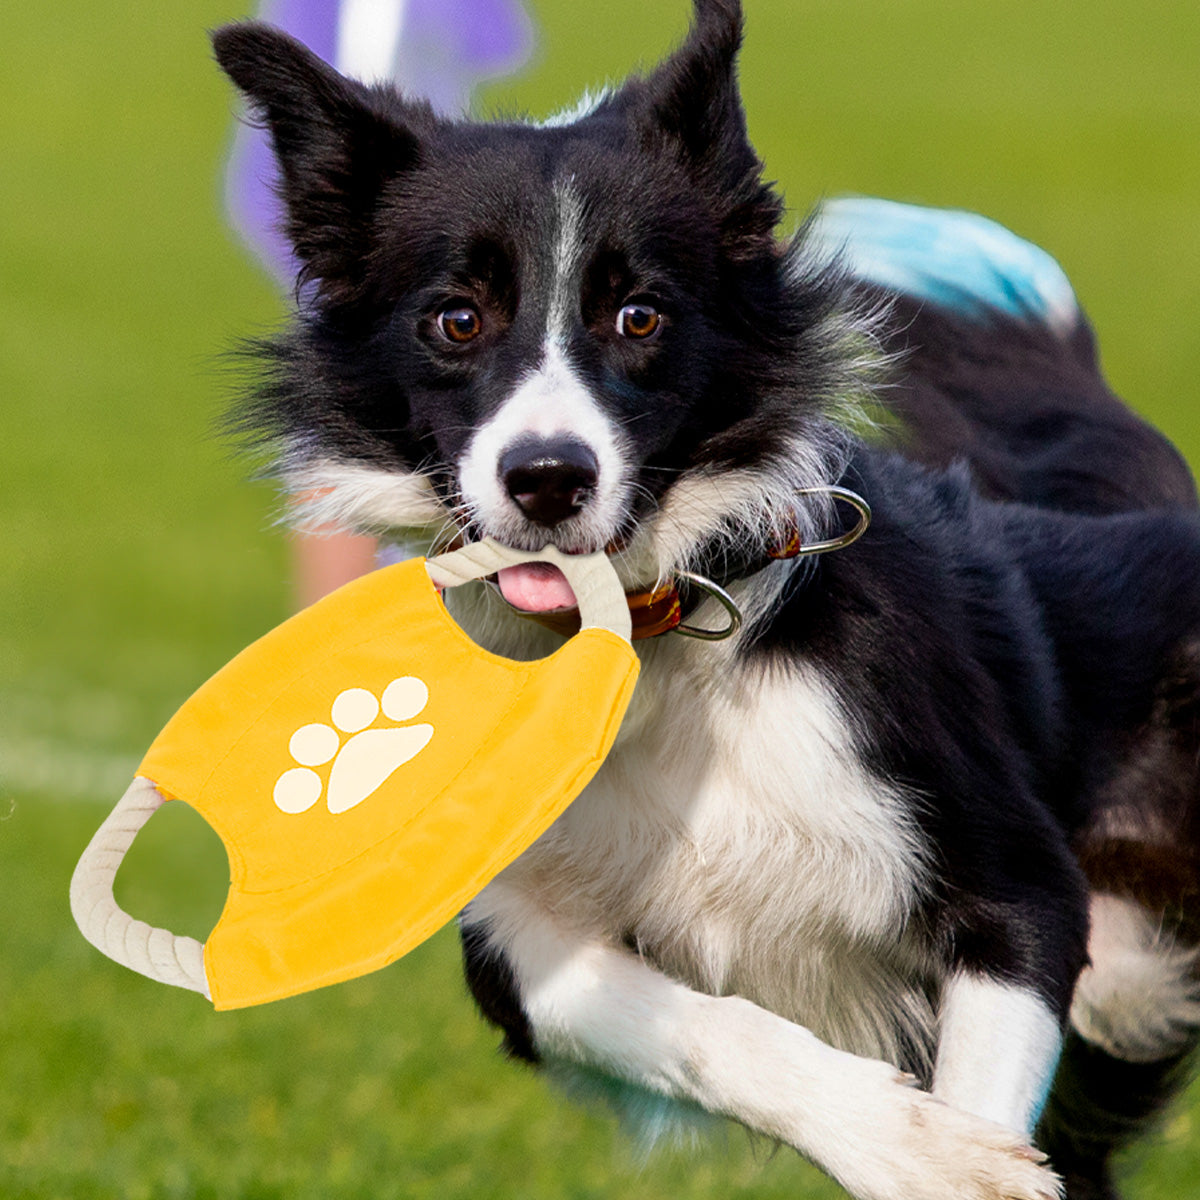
640 321
459 324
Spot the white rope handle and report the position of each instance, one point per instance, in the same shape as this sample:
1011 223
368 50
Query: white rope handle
593 579
157 953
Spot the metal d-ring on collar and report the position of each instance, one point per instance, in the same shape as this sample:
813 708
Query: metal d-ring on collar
848 538
726 601
719 594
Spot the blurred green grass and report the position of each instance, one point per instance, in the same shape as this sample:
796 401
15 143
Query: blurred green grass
137 559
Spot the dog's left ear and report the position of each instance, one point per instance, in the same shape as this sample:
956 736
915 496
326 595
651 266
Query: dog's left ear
338 143
690 104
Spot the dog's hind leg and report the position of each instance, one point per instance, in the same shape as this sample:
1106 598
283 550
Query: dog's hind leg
1100 1104
1136 1024
1136 1009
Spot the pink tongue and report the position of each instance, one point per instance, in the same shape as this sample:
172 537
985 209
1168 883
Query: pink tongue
535 587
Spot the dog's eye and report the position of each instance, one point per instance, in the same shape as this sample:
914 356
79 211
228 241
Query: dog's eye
639 321
459 324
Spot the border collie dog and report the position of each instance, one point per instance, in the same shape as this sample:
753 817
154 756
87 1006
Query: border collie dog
905 873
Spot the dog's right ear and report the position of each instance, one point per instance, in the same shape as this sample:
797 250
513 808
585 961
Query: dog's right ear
690 105
338 143
692 96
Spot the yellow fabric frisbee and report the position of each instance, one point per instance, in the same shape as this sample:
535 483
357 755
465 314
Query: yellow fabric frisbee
369 769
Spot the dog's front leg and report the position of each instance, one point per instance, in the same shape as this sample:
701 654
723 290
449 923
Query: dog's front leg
592 1002
997 1050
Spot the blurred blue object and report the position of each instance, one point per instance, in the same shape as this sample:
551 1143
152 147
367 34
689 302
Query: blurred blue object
959 260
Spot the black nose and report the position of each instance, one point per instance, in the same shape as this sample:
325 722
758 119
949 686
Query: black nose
550 479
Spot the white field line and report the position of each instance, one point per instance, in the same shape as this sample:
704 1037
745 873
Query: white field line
62 770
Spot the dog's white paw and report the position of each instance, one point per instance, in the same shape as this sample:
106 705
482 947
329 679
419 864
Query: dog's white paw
973 1159
926 1150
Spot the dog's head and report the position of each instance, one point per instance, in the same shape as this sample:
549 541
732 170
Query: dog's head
582 331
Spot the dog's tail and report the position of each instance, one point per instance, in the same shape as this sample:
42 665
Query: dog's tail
997 362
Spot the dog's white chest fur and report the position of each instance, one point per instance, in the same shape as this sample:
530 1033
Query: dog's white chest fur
734 838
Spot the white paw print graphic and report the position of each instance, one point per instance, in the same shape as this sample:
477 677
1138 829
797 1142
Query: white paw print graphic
366 759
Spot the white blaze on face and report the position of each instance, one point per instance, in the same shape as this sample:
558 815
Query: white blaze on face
567 264
550 401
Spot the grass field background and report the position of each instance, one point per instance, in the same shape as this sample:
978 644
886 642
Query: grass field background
137 559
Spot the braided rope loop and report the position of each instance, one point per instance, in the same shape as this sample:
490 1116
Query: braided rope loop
155 953
598 592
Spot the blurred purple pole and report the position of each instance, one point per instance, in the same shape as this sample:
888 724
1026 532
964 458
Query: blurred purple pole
437 49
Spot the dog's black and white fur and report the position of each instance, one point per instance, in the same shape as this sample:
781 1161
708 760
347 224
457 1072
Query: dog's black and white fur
870 834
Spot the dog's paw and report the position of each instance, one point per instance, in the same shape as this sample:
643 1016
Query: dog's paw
974 1159
952 1155
922 1149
